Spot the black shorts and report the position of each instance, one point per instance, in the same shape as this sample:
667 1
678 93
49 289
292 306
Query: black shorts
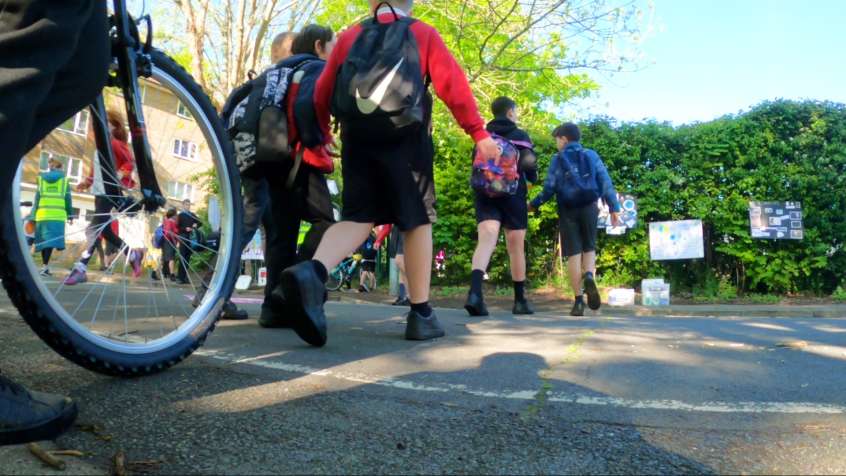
578 229
389 182
368 265
512 211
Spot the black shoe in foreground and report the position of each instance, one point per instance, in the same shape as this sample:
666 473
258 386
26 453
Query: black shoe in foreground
271 319
592 292
418 327
32 416
522 308
305 294
578 309
475 305
232 313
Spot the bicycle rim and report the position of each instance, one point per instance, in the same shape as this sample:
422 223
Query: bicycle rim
114 310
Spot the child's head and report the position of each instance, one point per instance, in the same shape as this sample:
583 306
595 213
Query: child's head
54 164
404 5
171 212
117 126
504 107
314 40
281 46
566 133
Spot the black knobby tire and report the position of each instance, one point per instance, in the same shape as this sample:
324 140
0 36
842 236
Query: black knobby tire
27 296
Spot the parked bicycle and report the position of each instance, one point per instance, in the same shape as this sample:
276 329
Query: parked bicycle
115 323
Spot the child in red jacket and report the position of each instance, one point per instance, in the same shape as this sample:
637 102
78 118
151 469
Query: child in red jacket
386 179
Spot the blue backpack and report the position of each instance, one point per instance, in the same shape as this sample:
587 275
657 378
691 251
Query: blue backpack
158 237
580 187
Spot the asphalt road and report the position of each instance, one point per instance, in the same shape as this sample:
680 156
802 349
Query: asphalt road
538 394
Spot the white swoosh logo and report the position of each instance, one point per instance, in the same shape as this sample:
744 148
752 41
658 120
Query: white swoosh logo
368 105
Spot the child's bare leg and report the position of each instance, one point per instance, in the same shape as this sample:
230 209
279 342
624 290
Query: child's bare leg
418 262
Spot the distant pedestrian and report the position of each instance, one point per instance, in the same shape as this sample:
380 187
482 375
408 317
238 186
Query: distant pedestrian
578 178
51 209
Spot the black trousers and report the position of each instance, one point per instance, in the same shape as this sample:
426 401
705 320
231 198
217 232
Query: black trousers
54 56
307 200
101 227
185 253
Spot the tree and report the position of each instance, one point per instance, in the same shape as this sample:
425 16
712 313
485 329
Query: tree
227 39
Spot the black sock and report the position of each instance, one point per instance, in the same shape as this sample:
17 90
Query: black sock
519 290
580 298
402 294
424 309
320 270
476 281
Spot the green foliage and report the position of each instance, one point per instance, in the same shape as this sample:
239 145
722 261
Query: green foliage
778 151
839 294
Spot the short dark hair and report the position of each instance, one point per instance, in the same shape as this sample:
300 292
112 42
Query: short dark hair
568 130
305 39
171 212
501 105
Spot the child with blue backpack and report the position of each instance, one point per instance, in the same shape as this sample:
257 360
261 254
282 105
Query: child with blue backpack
578 178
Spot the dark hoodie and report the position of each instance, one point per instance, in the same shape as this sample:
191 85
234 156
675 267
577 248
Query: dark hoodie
527 165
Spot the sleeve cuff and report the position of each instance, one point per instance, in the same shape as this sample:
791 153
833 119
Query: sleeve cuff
480 135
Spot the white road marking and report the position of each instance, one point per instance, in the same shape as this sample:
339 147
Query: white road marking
607 401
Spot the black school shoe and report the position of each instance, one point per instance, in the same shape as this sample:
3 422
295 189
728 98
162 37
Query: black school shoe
273 317
418 327
232 313
305 294
401 302
32 416
522 308
592 292
578 309
475 305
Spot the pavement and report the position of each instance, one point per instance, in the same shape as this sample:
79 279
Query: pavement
610 393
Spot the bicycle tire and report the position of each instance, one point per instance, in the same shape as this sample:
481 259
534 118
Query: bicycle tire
44 320
337 277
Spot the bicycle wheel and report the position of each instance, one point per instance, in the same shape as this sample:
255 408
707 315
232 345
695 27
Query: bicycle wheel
122 322
336 278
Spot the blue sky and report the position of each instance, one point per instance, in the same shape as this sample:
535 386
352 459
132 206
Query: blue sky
716 57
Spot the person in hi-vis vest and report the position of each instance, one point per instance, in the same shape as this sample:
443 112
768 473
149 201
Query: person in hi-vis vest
50 211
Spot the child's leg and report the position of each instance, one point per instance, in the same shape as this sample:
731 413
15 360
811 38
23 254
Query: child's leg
418 260
340 240
488 234
45 255
574 269
515 241
589 262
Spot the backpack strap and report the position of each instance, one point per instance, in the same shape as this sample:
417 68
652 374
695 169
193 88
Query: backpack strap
295 168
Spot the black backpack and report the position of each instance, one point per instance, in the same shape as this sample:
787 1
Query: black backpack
255 116
380 87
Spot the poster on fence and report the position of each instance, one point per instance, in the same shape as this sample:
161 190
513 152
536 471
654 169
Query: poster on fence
628 215
776 220
675 240
255 249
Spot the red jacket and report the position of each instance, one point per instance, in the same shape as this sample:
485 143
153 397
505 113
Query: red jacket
124 165
316 157
436 61
170 229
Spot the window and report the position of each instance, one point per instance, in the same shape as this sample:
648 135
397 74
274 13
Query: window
183 111
185 149
71 166
78 124
179 190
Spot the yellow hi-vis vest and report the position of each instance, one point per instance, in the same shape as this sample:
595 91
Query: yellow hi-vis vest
51 200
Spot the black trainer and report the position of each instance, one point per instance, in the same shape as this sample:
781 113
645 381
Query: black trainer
578 309
522 307
475 305
232 313
32 416
592 291
402 302
305 294
271 319
418 327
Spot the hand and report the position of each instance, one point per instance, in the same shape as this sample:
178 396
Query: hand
615 219
81 188
376 246
332 148
489 148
